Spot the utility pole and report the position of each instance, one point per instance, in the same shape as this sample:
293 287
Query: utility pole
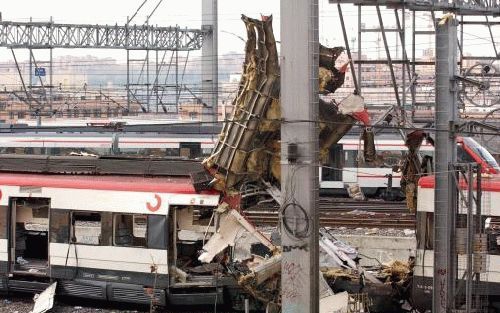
210 62
299 156
445 196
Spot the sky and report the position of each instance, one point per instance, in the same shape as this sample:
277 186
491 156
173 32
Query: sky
187 13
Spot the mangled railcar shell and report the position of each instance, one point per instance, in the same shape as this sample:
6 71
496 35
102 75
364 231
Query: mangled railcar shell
112 237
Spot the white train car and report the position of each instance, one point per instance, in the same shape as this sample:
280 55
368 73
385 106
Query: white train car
424 270
345 165
117 238
160 145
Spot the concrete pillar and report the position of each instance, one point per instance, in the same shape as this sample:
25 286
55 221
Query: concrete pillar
299 153
446 154
209 64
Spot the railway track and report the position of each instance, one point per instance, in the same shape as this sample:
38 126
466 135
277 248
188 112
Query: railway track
335 212
342 204
365 219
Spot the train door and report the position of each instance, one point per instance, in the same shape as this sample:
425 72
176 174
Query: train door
191 228
350 166
333 172
29 233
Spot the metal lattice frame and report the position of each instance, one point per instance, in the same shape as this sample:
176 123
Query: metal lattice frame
406 92
464 7
51 35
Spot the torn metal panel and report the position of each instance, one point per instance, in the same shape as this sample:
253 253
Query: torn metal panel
232 224
267 269
343 254
248 149
45 300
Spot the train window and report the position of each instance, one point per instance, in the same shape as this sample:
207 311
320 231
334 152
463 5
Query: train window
157 232
59 226
351 158
172 152
130 230
493 236
332 171
391 157
86 228
463 156
190 150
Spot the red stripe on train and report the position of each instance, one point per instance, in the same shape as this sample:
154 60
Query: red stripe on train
92 182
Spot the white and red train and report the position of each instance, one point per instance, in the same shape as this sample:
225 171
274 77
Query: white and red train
490 268
345 166
117 238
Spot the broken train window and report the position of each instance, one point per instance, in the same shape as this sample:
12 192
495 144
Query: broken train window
86 227
59 226
130 230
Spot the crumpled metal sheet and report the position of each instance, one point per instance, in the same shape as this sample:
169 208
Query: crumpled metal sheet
248 148
231 224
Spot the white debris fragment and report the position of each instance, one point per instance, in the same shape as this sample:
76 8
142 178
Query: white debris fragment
409 232
337 303
372 231
351 104
232 224
45 301
355 192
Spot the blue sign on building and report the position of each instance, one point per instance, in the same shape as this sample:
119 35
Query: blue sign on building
40 71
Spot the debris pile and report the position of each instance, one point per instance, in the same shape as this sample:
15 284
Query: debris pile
246 161
255 262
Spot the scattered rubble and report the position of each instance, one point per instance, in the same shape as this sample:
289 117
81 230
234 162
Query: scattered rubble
248 154
18 304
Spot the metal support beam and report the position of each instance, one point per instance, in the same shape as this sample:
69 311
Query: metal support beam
148 87
127 87
359 50
389 59
299 153
142 37
210 64
445 191
348 49
466 7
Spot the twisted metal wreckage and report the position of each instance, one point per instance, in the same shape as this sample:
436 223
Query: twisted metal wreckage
245 164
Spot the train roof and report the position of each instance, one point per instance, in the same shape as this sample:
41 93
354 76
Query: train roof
171 128
86 165
489 183
177 185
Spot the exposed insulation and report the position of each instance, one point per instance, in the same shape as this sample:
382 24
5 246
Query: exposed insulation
249 145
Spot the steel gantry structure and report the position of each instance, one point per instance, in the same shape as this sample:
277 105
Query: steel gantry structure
456 84
39 35
406 87
151 39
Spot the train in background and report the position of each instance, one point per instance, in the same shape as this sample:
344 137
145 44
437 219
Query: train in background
344 167
486 243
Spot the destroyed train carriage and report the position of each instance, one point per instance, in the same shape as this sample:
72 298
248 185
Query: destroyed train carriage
106 232
248 149
109 230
